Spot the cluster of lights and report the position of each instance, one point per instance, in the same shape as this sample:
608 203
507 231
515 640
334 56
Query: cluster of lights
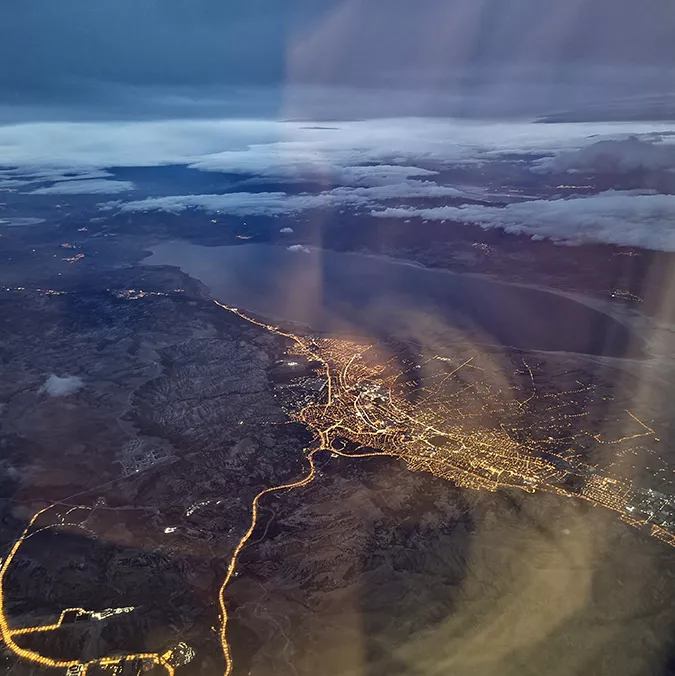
42 292
74 259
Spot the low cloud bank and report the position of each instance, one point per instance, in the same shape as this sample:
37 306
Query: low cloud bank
622 218
21 176
61 387
88 187
234 204
272 204
339 153
615 157
376 165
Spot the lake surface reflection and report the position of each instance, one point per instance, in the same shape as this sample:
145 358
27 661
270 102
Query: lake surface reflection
354 294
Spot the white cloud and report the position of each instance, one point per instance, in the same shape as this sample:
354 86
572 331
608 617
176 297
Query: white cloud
298 248
286 231
280 203
272 148
88 187
21 221
61 387
622 218
614 156
405 189
367 164
234 204
27 175
381 174
69 145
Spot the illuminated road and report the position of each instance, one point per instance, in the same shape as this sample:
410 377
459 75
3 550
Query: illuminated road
254 520
74 666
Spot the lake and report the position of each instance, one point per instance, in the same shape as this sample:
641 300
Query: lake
355 294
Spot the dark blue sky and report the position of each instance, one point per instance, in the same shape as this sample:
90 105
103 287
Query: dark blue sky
67 50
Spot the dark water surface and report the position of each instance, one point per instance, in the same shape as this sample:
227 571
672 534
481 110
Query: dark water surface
348 294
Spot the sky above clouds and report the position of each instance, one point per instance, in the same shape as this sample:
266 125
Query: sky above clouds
208 57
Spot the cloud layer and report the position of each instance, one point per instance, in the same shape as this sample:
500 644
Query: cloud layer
280 203
271 148
621 218
615 156
23 175
89 187
382 166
